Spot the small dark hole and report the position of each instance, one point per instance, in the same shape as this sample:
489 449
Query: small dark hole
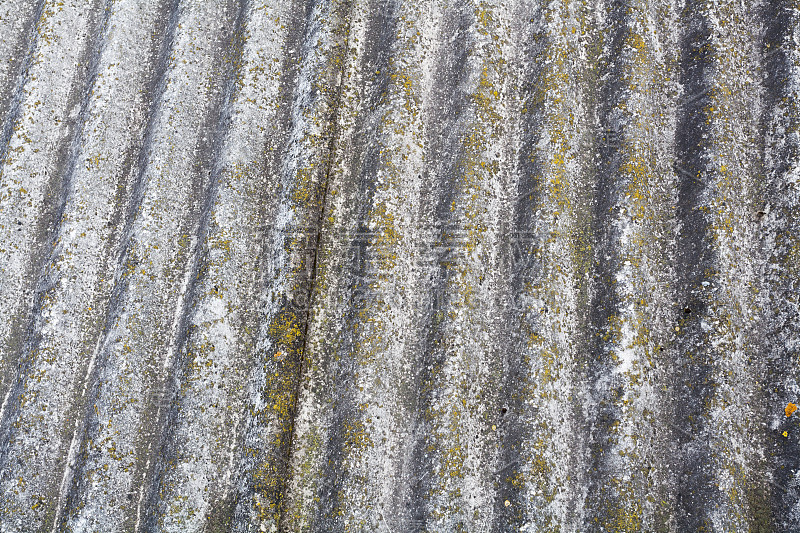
503 410
687 311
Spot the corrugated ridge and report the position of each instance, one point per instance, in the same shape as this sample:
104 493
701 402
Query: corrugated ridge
117 443
779 245
223 313
18 22
41 126
351 396
63 333
229 66
632 442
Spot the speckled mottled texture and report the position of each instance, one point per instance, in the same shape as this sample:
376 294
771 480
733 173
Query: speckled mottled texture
399 266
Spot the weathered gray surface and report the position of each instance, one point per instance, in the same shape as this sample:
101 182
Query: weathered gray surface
384 265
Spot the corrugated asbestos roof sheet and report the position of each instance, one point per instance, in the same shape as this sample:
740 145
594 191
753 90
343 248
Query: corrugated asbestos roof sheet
399 266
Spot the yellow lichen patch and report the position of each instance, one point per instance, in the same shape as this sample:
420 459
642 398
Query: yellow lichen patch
286 329
356 435
624 519
388 237
790 409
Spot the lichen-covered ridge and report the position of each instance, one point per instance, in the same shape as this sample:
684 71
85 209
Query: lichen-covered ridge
399 265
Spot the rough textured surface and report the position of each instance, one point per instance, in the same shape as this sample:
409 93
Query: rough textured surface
400 266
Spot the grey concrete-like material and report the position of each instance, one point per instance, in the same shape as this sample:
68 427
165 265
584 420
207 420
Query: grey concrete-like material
399 266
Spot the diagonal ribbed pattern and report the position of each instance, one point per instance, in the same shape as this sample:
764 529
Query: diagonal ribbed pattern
399 265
